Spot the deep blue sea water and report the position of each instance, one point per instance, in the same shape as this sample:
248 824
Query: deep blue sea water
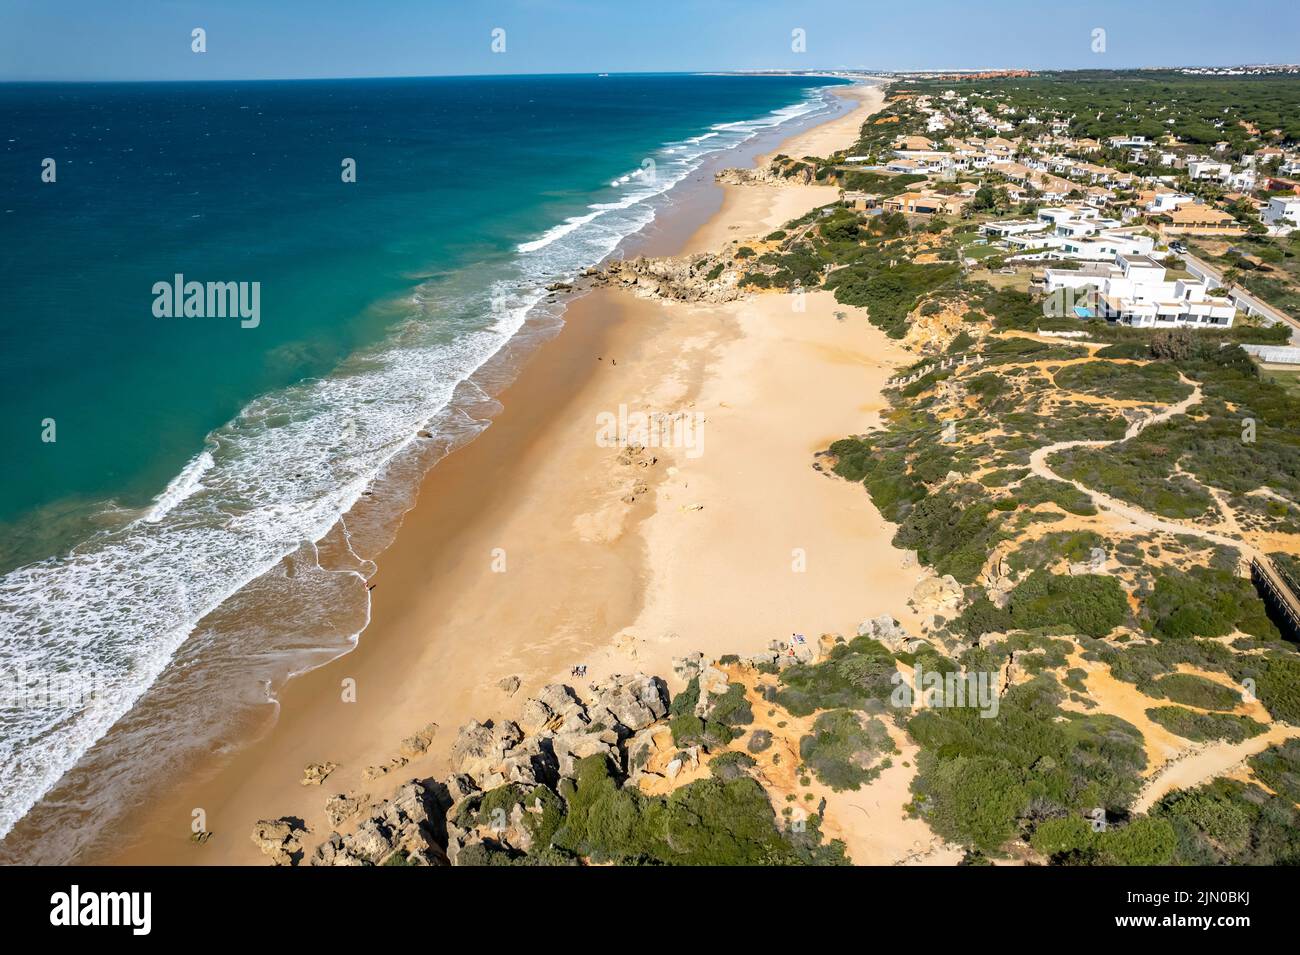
192 454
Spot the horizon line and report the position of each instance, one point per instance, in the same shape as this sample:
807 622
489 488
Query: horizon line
752 71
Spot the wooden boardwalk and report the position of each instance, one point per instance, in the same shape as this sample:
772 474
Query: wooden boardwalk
1279 591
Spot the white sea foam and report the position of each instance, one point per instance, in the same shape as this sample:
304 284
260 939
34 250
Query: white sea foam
558 232
643 187
281 473
180 487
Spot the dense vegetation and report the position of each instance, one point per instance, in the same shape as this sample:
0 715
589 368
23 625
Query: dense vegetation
1227 822
1148 103
711 821
981 781
843 747
1204 726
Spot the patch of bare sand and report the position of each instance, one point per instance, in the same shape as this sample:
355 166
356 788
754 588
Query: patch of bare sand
749 542
1172 761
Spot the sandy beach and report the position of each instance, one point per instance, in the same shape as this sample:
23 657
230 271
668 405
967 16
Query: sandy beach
535 548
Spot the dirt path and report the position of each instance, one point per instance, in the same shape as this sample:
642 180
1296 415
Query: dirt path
1134 515
1201 765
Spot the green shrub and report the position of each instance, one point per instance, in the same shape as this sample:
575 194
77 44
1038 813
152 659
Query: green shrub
1204 602
1278 688
1089 604
1032 757
1227 822
981 617
1072 840
731 708
1278 768
1192 690
731 765
1156 383
1201 727
843 747
856 675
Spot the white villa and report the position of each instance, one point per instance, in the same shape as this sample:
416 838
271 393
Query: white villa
1069 232
1134 291
1281 211
1204 169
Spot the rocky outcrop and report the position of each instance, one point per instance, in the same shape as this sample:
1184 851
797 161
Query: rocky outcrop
481 747
344 806
555 730
644 749
890 633
568 748
405 826
938 595
998 577
704 278
530 763
554 708
776 173
688 667
628 703
459 787
280 839
933 333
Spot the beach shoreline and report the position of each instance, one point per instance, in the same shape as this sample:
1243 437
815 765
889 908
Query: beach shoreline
524 556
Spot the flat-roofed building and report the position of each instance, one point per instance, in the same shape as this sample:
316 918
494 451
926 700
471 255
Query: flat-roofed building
1135 291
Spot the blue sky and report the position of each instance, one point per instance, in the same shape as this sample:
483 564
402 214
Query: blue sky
150 39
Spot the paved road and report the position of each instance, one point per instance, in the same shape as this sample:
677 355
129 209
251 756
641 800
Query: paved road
1244 300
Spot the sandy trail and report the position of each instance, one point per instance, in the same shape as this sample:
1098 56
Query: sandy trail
1202 765
1127 512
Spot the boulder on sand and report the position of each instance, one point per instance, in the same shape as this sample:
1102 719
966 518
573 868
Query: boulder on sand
418 743
280 839
315 773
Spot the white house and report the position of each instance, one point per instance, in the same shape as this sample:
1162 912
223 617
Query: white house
1168 201
1282 208
1202 169
1075 221
1244 181
1009 227
1134 291
1101 246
